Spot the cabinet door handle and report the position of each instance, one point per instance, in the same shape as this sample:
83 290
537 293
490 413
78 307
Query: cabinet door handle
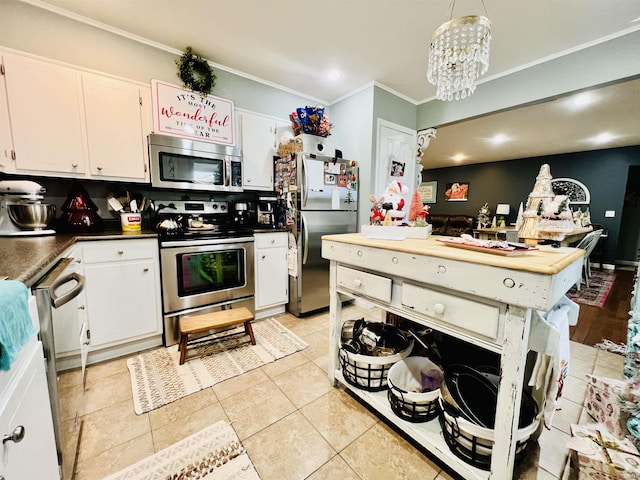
145 270
438 308
16 436
120 252
74 165
99 169
81 307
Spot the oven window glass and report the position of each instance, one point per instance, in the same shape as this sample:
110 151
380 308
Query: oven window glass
204 272
183 168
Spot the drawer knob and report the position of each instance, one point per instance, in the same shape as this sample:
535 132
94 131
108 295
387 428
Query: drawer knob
509 283
357 283
120 252
16 436
442 269
359 253
273 241
395 260
438 308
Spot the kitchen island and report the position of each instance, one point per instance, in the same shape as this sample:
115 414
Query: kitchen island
481 298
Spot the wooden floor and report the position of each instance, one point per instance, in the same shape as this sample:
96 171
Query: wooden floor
609 322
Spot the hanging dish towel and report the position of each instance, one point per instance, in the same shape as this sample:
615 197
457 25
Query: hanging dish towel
16 327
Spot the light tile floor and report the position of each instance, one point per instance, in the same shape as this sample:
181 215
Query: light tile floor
293 423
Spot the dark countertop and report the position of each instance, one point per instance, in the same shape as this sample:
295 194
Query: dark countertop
23 258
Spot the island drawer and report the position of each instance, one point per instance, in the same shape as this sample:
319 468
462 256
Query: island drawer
364 283
460 312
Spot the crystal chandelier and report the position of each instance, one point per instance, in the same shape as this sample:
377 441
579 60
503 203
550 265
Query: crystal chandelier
458 55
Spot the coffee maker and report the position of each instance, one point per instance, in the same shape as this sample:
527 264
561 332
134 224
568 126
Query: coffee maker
243 214
22 212
267 212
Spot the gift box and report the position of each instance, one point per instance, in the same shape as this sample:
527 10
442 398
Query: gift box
598 455
603 403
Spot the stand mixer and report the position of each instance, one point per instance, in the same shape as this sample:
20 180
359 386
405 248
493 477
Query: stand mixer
21 210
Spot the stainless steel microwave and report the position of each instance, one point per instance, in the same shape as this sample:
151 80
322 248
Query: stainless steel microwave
181 163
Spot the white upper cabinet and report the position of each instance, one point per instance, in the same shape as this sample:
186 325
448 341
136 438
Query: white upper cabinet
258 135
114 127
47 118
72 123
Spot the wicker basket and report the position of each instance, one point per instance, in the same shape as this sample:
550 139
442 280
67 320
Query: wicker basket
367 372
404 379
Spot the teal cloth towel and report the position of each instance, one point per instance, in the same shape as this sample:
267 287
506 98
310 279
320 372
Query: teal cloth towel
16 327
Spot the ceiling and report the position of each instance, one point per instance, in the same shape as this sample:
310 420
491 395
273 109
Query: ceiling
294 43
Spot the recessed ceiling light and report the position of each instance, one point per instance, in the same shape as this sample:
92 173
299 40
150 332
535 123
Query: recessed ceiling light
580 101
499 139
334 75
601 138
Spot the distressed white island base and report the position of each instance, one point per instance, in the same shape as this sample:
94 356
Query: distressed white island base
481 298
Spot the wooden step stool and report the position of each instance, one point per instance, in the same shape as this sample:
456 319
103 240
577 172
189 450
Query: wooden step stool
210 321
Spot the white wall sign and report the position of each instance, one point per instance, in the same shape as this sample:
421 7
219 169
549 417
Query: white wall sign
184 113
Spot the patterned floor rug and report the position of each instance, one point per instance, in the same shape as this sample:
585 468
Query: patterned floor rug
598 290
214 453
157 379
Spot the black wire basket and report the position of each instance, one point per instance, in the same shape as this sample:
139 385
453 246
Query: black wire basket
368 372
405 400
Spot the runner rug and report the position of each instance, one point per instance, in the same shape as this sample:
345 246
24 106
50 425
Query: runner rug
214 453
157 379
599 287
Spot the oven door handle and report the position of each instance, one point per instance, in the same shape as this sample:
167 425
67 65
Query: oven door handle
58 301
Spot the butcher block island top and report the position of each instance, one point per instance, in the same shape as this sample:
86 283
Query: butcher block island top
546 259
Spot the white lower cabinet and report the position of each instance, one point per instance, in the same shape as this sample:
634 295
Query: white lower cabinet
123 291
119 311
25 416
272 280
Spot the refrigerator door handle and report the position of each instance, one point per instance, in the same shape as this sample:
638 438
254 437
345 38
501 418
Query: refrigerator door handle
305 182
305 239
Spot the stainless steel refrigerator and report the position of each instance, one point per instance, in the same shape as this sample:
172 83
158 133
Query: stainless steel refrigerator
321 197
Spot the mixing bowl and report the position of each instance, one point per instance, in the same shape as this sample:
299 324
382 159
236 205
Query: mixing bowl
32 216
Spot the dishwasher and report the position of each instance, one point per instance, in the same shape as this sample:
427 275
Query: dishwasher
46 290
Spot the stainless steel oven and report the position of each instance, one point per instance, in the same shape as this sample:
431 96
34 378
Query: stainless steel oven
205 275
206 261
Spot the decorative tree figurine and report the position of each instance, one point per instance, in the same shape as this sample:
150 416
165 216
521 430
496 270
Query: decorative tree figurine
541 195
415 208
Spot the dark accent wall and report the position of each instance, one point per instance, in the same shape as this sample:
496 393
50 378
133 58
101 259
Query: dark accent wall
604 172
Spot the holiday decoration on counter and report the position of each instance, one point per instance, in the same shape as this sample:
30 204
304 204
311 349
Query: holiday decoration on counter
483 216
311 120
418 211
547 216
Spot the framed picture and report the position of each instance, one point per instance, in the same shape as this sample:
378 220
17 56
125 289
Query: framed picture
397 168
329 179
427 191
457 192
343 180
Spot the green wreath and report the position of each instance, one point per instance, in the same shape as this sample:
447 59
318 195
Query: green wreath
195 72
